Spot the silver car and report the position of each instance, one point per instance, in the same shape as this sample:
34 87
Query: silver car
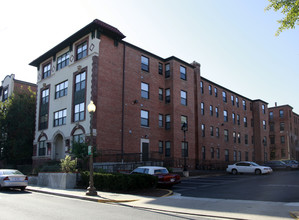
13 179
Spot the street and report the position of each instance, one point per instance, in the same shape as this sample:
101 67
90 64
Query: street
280 186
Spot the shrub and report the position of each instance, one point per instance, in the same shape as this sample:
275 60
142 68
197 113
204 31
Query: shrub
119 182
68 165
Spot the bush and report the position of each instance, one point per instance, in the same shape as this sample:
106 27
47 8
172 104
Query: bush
68 165
119 182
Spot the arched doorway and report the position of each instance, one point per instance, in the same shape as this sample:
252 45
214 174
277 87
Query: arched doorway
59 147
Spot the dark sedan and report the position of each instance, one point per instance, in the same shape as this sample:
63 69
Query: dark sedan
277 165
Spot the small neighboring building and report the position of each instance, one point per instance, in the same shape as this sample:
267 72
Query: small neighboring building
9 85
284 137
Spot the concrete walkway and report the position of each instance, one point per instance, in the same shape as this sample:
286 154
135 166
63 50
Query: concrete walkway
195 207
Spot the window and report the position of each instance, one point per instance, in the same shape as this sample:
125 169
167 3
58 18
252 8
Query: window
61 89
225 116
78 138
224 97
283 153
239 138
272 139
183 97
233 117
246 138
216 92
63 60
203 132
41 148
160 68
281 113
217 112
144 63
60 118
237 101
160 147
211 110
212 152
167 95
144 90
234 137
238 119
167 149
226 153
167 70
264 125
5 94
212 131
202 108
80 81
210 89
160 120
239 156
263 109
79 112
244 104
144 118
281 126
218 153
81 50
246 156
232 99
271 115
225 135
160 94
201 87
245 122
203 151
183 73
46 70
184 120
184 149
217 132
235 155
265 141
44 110
167 122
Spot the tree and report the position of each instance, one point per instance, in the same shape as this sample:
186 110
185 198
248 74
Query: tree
290 8
17 122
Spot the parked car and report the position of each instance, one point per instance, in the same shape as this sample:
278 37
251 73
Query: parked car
164 177
277 165
13 179
248 167
293 163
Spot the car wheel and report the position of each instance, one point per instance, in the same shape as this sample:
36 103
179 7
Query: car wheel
23 188
234 172
258 172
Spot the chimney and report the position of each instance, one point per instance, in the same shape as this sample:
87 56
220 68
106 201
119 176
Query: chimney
275 104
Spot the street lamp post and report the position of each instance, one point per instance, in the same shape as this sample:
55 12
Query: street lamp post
91 190
184 129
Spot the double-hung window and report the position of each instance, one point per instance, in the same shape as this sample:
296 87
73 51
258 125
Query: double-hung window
160 68
167 149
63 60
46 70
160 94
144 118
144 63
183 73
167 122
245 122
61 89
167 70
81 50
224 97
60 118
144 90
44 110
160 120
41 148
183 97
79 97
167 95
225 116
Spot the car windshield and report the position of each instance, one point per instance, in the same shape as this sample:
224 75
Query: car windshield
12 172
161 171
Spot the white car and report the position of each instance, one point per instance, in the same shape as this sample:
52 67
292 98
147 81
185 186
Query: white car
13 179
248 167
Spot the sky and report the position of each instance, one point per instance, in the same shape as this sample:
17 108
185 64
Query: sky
233 40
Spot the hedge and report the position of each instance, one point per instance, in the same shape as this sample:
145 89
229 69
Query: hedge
118 181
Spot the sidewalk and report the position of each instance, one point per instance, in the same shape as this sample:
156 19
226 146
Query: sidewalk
196 207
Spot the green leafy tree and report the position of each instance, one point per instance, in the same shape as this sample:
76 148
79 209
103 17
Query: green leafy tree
17 122
290 8
80 151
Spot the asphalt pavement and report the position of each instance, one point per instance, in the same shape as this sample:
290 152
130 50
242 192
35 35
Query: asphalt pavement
166 201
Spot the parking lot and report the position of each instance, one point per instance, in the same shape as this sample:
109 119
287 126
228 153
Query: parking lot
280 186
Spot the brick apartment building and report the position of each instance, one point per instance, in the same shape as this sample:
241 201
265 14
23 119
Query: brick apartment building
9 85
284 127
142 103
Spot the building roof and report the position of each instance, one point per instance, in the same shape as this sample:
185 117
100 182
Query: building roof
96 24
